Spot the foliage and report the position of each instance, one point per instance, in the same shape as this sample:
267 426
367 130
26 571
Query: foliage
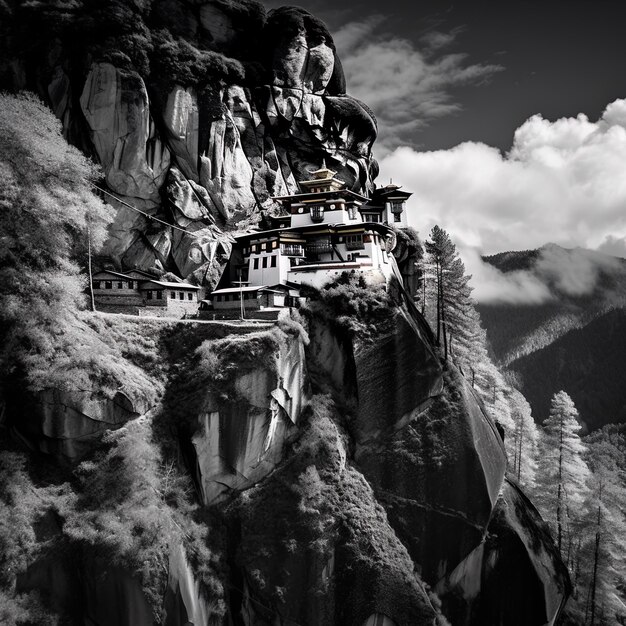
48 212
447 303
313 507
351 306
131 508
221 358
22 504
176 61
46 209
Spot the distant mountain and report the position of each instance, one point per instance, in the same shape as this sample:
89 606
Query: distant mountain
574 340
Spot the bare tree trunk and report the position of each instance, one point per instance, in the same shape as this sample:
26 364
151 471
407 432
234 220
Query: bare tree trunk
594 579
438 302
443 318
559 524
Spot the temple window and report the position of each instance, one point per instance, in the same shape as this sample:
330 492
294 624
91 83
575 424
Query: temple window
397 206
317 213
354 242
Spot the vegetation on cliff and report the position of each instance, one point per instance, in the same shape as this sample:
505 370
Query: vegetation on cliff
49 217
319 520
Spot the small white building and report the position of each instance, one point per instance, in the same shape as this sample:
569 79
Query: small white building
323 233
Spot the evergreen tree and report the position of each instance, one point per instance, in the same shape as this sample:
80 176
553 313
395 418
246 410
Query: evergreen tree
441 253
562 477
450 309
605 552
523 444
48 214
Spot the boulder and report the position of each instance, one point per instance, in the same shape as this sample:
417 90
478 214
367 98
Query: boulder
116 107
69 424
514 577
240 441
182 121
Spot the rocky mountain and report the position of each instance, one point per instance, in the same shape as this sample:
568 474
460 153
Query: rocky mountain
326 469
198 112
573 339
342 473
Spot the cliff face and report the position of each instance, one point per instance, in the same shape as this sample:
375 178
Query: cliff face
197 112
341 477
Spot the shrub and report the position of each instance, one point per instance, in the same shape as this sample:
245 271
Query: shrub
132 507
22 504
350 305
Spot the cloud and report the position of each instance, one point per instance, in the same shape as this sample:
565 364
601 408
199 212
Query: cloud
573 272
562 181
555 271
615 246
406 87
492 286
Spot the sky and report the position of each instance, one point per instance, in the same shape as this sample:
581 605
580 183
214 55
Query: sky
507 121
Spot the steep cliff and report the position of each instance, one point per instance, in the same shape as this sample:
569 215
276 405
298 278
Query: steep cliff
341 472
197 112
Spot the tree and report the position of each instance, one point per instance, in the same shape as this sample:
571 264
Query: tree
563 476
523 442
450 285
46 208
605 550
450 308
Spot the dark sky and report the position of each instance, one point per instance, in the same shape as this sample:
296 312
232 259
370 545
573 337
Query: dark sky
559 58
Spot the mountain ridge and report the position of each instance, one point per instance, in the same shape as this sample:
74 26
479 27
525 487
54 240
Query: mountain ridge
535 333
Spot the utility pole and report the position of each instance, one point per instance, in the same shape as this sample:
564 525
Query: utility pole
93 301
241 306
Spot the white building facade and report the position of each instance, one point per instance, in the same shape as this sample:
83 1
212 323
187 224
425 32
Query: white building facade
325 230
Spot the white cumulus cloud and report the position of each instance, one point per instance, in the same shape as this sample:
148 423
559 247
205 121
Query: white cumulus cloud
563 181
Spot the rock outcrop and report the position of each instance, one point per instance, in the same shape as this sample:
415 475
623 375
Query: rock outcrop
485 589
68 424
341 477
198 113
239 442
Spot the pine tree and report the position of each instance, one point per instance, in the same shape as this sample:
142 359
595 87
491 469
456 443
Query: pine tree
441 253
562 476
605 552
523 443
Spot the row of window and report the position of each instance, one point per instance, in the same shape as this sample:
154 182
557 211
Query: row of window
257 248
264 262
119 284
157 294
376 217
317 212
228 297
